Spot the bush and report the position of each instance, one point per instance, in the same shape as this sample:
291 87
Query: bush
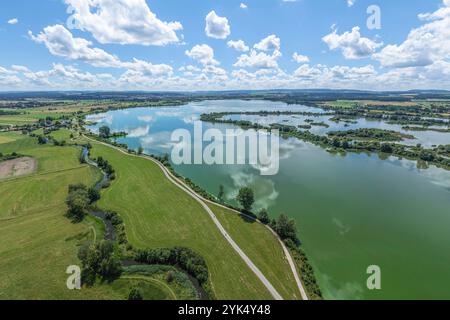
135 294
185 258
263 216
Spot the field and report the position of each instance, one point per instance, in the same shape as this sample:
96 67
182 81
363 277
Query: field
37 243
263 248
35 235
157 214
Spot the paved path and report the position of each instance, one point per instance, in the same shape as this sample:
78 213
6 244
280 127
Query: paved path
180 184
285 249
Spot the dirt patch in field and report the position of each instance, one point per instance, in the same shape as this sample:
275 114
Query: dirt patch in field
17 167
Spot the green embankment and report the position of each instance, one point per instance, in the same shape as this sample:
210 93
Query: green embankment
263 248
37 243
157 214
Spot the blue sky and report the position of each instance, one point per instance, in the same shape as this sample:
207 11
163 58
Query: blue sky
192 45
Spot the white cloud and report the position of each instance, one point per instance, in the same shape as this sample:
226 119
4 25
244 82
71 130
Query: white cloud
424 45
203 54
353 46
300 58
19 68
350 3
305 71
243 6
238 45
148 68
60 42
217 27
123 22
13 21
4 71
270 43
61 76
259 60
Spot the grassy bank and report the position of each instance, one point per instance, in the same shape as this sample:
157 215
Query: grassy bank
157 214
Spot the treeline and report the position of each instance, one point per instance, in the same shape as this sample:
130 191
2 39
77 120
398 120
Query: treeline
106 167
119 227
184 258
371 133
345 144
286 229
10 156
9 113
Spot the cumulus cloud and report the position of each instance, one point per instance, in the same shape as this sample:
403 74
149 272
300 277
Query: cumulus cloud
259 60
238 45
424 45
60 42
300 58
19 68
203 54
217 27
243 6
270 43
148 68
123 22
13 21
66 77
352 45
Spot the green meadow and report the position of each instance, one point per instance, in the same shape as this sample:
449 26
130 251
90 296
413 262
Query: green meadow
157 214
38 243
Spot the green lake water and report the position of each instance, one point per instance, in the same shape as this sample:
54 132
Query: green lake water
352 211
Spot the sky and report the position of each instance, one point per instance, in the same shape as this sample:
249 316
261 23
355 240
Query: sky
191 45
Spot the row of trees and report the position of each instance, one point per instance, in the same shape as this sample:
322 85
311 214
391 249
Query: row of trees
185 258
283 226
106 167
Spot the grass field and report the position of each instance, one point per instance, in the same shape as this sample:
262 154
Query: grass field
158 214
151 289
37 243
263 249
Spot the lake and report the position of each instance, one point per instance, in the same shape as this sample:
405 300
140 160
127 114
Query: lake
352 211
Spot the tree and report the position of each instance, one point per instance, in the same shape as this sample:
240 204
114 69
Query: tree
98 260
336 143
94 195
78 202
42 140
140 150
135 294
104 132
386 148
170 277
286 228
246 198
263 216
221 193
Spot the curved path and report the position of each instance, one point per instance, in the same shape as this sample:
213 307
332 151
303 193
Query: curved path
285 249
202 202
